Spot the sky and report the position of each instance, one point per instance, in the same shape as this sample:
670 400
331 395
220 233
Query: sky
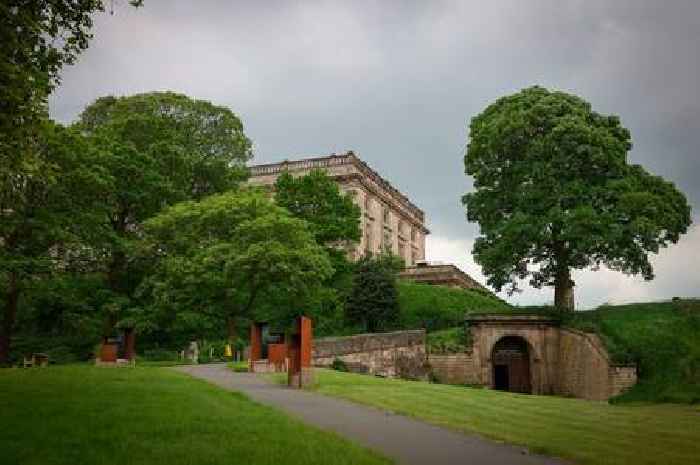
398 82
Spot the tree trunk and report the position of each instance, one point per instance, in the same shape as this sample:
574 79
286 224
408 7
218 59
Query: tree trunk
231 329
8 321
564 291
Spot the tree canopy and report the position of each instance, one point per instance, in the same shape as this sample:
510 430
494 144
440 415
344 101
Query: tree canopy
160 148
553 191
56 213
219 257
373 303
316 198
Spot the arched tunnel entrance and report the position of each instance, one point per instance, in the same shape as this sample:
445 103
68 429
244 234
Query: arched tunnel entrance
511 365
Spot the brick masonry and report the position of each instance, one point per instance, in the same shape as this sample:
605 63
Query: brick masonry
377 354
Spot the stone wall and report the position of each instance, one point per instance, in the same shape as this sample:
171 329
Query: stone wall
377 354
585 369
561 361
453 368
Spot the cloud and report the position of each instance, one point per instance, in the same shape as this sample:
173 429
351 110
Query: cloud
674 268
398 82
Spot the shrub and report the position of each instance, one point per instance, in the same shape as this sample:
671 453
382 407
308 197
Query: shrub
339 365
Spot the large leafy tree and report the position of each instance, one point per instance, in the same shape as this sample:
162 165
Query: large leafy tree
335 222
161 148
56 212
220 257
553 192
373 303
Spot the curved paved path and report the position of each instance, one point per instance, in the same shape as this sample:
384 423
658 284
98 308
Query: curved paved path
406 440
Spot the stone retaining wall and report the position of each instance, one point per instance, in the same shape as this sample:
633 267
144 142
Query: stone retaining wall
377 354
453 368
585 369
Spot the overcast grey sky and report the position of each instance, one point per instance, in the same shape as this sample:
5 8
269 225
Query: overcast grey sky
397 82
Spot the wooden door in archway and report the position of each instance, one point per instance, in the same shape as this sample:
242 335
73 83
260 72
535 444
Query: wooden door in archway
511 365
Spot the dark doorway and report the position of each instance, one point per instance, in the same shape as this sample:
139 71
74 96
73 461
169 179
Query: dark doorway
500 377
511 365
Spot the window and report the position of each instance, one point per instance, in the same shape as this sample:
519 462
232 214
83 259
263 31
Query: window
400 227
386 242
386 215
413 234
402 251
368 203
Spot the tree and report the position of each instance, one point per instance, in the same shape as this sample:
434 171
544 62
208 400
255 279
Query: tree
161 148
373 301
56 212
335 221
38 38
316 198
553 191
219 257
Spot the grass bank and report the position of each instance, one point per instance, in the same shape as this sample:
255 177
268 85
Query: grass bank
439 307
144 416
661 338
586 432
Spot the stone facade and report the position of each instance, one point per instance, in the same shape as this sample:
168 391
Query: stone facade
390 221
440 274
453 368
554 360
380 354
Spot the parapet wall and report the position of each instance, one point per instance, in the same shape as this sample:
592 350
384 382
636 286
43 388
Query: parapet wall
377 354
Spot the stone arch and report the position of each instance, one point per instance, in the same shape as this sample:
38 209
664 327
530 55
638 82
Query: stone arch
511 364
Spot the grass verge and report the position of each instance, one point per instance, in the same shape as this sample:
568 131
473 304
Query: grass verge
584 431
143 416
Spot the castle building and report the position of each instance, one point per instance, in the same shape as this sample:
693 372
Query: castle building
390 221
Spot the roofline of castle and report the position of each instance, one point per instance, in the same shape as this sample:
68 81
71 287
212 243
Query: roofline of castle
346 158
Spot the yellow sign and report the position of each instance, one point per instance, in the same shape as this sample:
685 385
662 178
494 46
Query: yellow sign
227 352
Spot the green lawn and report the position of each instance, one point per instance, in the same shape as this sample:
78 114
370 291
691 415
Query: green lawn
587 432
76 415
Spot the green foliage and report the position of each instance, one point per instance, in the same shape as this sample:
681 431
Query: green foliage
160 148
660 338
554 192
38 38
192 147
146 416
448 341
440 307
316 198
160 355
219 258
339 365
50 216
373 302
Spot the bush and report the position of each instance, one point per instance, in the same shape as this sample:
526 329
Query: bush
160 355
339 365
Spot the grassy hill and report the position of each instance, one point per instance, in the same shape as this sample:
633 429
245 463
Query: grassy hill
662 338
438 307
